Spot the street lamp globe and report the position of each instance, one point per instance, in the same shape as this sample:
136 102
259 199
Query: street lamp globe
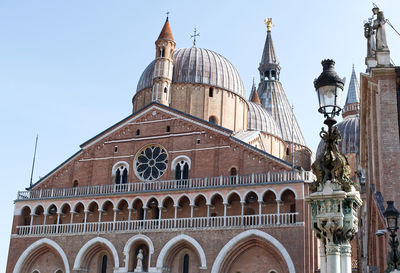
392 215
329 87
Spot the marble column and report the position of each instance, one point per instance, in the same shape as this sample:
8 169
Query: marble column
322 255
345 258
332 258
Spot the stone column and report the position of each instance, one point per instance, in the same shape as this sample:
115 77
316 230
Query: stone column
31 224
322 256
208 214
84 222
278 211
332 258
44 222
71 220
345 258
160 208
58 220
259 211
175 214
242 203
191 215
225 205
99 220
115 216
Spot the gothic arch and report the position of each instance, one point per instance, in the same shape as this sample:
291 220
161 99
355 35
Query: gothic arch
118 164
179 158
131 241
35 246
252 232
285 189
98 240
176 240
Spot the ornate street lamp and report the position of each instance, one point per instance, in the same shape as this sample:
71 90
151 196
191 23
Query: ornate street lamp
329 87
392 215
330 165
334 199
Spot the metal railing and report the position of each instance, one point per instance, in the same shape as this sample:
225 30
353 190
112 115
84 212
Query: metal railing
217 222
169 185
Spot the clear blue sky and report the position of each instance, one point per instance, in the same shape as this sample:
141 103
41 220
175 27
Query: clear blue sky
69 69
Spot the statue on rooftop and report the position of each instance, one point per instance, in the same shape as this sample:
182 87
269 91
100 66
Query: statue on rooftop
379 26
369 33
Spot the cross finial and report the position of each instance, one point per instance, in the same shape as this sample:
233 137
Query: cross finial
167 14
195 34
268 23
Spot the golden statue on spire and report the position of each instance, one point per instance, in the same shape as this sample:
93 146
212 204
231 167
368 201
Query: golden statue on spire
268 23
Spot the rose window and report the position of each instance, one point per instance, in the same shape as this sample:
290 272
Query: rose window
151 162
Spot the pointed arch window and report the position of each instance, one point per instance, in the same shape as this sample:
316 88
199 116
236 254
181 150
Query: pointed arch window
120 172
181 166
104 264
186 263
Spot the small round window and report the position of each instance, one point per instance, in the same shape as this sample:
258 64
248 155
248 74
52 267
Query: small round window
151 162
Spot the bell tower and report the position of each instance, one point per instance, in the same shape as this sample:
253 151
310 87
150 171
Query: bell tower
164 64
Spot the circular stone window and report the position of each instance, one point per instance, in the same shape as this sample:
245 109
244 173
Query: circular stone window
151 162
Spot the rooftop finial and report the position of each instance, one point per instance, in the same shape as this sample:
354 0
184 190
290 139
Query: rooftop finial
268 23
167 14
195 34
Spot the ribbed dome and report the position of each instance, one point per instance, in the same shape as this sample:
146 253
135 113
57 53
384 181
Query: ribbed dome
349 128
198 65
259 119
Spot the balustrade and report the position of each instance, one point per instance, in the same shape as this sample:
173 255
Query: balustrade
216 222
170 185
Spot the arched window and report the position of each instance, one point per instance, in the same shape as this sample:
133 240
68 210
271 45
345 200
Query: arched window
120 172
104 264
165 89
162 52
233 171
287 151
75 184
211 92
212 119
186 263
181 166
138 132
182 170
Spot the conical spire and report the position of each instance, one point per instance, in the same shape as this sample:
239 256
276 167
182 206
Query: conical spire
253 95
166 33
352 105
269 66
272 95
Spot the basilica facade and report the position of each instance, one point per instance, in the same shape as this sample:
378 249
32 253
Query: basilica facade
197 179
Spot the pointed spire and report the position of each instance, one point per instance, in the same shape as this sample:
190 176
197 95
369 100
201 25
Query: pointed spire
269 66
254 96
352 105
166 33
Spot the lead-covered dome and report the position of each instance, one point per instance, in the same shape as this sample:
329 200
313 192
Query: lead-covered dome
259 119
198 65
349 129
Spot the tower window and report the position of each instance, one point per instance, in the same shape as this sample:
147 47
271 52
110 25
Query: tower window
168 129
165 89
287 151
212 119
115 149
162 52
198 141
138 132
211 92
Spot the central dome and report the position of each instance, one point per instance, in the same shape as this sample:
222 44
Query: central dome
198 65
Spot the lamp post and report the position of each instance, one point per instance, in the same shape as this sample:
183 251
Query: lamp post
334 199
392 215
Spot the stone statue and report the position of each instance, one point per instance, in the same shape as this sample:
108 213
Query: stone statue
369 33
139 264
379 26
